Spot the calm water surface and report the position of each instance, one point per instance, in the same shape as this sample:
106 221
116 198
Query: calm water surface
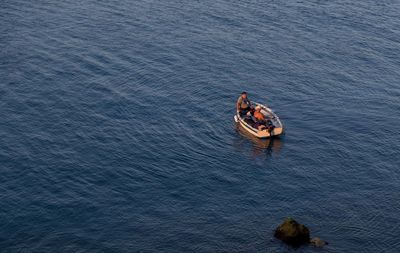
117 132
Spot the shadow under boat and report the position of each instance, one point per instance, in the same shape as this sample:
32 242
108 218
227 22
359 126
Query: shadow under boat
260 146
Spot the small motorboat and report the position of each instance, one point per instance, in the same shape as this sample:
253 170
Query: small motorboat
274 128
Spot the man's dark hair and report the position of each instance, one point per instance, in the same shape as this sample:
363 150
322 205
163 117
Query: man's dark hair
244 92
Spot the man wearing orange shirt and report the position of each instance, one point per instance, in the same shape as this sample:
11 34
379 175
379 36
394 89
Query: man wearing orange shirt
259 118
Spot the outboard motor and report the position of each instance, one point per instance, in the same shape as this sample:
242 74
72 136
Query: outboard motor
270 126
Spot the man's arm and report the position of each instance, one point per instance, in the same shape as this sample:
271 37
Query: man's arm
238 104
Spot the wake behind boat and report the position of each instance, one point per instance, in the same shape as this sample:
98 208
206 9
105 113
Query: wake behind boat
274 126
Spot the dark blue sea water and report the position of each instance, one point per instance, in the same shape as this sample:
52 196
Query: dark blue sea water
117 132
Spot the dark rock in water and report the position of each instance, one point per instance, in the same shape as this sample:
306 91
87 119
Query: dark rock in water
318 242
292 233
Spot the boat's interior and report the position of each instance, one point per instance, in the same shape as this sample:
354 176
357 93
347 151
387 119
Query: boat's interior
268 115
251 122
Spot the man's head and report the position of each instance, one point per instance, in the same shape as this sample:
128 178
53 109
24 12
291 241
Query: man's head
258 108
244 94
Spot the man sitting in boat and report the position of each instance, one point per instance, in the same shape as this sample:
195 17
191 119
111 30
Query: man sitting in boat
243 105
261 123
259 119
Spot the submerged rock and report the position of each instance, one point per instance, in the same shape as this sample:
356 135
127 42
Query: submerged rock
318 242
292 233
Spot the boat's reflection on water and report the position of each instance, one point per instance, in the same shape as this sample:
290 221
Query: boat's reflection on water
260 147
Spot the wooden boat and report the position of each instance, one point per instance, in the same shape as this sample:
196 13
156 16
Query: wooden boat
248 123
